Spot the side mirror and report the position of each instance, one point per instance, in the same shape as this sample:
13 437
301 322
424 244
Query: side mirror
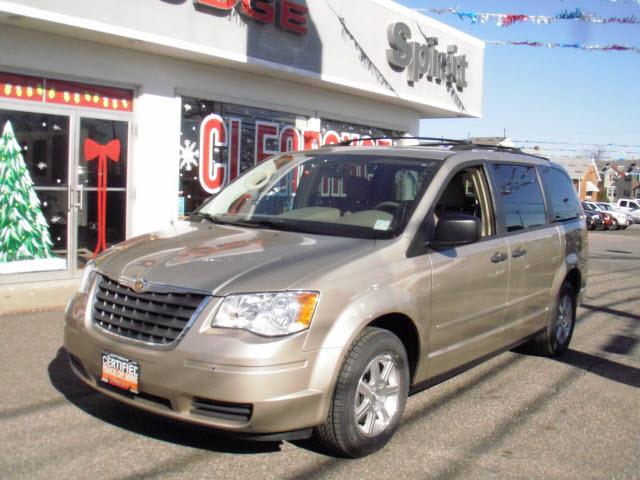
456 229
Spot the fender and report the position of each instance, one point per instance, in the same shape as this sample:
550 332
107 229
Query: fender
360 312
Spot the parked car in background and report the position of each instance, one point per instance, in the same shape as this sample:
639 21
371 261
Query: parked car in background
608 221
613 219
631 206
594 220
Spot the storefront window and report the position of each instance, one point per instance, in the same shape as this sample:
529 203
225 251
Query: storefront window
60 200
220 140
34 191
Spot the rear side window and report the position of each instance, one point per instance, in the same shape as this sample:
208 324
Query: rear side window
559 189
520 195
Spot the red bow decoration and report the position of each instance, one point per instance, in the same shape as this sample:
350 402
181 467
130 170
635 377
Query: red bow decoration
111 151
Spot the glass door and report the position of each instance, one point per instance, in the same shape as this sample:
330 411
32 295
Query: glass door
34 191
100 195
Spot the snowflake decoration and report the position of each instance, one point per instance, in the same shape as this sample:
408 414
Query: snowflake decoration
189 155
187 107
55 219
42 166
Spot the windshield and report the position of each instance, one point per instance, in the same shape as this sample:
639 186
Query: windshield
604 206
351 195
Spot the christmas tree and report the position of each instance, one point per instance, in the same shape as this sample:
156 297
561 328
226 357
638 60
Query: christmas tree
24 233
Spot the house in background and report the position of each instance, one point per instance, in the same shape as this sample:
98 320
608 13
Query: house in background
621 178
584 174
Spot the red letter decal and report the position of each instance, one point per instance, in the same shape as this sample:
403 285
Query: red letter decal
331 138
293 17
213 133
265 132
235 125
260 10
218 4
289 139
312 139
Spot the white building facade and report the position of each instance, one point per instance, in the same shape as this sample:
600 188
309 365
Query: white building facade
127 115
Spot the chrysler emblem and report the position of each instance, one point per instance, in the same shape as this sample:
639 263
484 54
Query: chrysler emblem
138 286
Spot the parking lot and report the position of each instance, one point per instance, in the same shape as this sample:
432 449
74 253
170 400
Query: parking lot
516 416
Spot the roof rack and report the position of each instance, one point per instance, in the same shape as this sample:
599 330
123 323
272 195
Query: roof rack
455 144
434 141
471 146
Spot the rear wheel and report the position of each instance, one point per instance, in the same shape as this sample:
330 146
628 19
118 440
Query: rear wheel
555 338
369 396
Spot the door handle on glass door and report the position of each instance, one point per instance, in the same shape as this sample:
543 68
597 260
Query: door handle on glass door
80 203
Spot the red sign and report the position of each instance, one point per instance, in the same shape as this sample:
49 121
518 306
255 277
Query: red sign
217 170
284 14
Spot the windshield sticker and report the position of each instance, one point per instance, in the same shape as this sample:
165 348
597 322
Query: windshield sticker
382 225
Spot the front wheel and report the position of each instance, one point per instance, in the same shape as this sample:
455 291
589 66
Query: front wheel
614 225
369 396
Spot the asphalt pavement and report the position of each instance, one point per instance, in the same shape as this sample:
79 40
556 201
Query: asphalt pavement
516 416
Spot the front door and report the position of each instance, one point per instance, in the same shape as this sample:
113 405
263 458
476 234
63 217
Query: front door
63 189
469 286
100 189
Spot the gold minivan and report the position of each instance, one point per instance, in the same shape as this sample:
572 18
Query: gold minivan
318 290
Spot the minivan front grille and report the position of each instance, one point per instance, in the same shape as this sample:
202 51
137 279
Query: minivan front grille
151 317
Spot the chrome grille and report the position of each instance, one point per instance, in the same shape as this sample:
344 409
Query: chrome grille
151 317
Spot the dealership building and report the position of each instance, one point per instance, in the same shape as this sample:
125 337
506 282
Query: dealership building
119 117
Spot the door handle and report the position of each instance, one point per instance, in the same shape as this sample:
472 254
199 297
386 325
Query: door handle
499 257
80 204
519 252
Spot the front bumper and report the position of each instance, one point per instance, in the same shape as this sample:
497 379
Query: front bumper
246 383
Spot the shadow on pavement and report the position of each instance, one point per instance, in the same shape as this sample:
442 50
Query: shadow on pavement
144 423
611 311
602 367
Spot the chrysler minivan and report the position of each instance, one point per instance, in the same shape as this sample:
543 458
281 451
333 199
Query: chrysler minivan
319 289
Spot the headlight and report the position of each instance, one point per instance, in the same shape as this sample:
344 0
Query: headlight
88 276
268 314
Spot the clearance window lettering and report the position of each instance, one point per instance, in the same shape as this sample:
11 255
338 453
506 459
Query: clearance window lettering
219 141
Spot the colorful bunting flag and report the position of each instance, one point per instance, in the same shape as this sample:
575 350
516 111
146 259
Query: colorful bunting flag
508 19
596 47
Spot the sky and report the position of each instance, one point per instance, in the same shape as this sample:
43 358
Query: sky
578 98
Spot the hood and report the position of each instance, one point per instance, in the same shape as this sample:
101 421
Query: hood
223 259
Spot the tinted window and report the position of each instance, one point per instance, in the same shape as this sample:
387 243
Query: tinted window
521 196
564 201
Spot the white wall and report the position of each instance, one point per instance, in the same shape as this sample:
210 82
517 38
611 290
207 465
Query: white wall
159 81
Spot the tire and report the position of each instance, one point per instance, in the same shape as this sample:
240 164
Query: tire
349 433
555 339
614 225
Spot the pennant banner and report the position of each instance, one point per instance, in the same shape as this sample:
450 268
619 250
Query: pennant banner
508 19
578 46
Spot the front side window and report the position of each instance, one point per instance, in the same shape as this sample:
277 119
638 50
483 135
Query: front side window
348 195
468 192
521 197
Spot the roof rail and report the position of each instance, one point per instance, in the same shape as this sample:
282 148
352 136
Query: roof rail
434 141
